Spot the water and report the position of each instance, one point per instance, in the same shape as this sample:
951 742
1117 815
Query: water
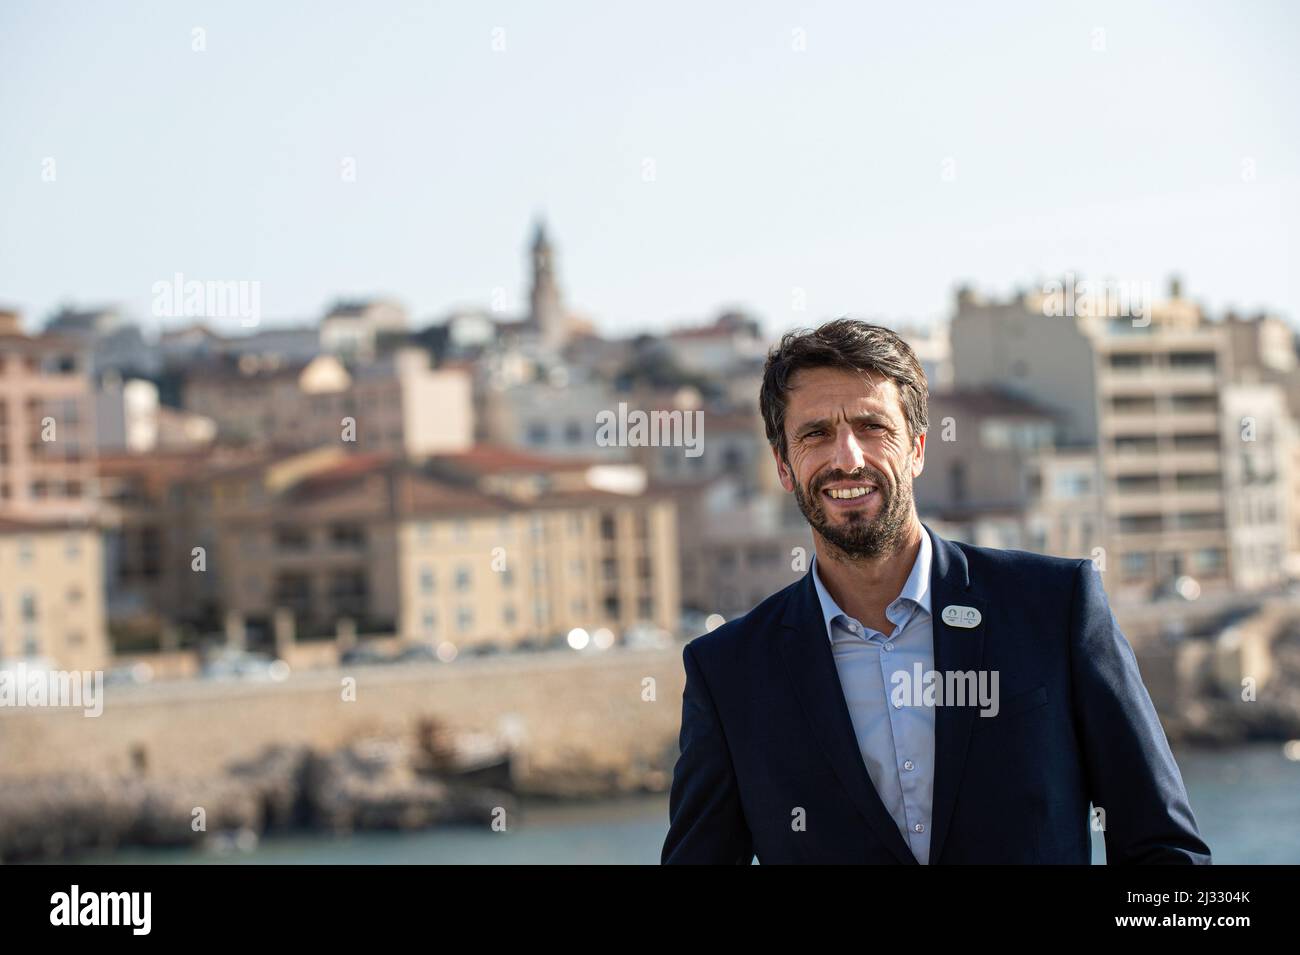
1246 801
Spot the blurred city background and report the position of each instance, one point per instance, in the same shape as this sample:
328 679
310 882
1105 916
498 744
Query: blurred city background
312 329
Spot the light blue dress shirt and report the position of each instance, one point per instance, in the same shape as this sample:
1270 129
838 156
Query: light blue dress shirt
896 740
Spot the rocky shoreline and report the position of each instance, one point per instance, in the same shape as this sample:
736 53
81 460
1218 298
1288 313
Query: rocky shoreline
418 781
376 784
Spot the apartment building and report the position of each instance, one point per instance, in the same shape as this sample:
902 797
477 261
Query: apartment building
738 546
396 404
47 426
355 330
487 546
1148 394
51 594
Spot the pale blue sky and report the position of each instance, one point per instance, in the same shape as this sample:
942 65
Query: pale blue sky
775 169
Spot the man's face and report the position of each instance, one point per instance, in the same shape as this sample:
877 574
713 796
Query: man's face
850 462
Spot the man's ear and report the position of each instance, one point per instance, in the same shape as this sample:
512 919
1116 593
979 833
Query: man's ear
783 470
918 456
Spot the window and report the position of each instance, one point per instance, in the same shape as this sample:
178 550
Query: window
1136 564
426 580
1138 483
1133 404
1135 444
1141 523
293 591
348 536
1196 442
464 618
1124 362
1184 360
1186 403
290 538
1207 560
1201 521
349 590
462 577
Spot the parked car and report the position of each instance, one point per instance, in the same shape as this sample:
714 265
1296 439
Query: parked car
646 636
243 665
364 654
129 675
418 653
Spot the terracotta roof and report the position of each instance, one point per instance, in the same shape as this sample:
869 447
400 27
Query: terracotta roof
498 459
125 462
423 495
37 525
341 474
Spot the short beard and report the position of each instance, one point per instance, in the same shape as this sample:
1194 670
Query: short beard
860 537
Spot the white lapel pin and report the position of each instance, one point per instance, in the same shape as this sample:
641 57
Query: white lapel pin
955 615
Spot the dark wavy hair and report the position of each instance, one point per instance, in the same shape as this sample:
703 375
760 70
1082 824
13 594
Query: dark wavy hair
851 345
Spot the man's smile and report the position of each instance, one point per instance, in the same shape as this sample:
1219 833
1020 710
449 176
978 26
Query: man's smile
846 494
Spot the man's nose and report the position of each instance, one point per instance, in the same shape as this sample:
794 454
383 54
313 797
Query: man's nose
848 452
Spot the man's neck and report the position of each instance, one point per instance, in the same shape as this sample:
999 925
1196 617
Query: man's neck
864 587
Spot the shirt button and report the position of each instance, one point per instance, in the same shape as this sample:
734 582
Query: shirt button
889 646
919 827
907 765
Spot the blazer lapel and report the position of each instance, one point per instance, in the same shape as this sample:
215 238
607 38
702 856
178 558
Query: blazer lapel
808 660
955 648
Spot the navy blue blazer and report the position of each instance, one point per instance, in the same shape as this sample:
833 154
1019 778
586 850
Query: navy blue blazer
765 731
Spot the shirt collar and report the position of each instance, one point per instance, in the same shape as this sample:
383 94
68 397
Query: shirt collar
916 589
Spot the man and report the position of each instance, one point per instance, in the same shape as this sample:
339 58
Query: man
910 699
